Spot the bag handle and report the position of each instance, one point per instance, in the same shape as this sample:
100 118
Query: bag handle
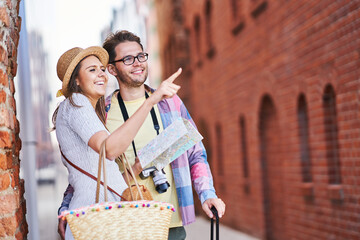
101 162
215 212
127 170
89 175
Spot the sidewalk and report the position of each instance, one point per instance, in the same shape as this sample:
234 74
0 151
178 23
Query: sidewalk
201 230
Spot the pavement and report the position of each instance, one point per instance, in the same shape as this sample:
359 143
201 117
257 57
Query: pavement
201 230
49 197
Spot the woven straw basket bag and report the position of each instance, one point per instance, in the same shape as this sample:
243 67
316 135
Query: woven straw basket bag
125 220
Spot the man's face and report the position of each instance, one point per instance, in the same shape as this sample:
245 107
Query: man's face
133 75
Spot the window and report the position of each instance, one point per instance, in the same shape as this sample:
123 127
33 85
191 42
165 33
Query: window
304 139
197 30
331 135
257 7
220 155
208 13
244 147
204 131
237 20
271 169
235 8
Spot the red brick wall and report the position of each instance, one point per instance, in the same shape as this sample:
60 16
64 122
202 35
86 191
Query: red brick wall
12 204
256 65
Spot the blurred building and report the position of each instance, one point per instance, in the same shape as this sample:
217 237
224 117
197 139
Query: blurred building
40 98
274 87
138 17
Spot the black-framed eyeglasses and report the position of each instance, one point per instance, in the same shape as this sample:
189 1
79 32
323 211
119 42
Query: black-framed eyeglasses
129 60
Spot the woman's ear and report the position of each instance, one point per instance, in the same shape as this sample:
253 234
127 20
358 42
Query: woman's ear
77 81
111 69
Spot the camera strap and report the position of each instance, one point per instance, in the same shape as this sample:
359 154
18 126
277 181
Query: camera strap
126 116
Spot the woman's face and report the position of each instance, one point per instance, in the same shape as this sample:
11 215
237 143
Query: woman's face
92 78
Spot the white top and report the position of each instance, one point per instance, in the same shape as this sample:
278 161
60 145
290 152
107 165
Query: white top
74 127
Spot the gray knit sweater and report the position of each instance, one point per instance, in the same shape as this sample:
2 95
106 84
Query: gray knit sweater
74 127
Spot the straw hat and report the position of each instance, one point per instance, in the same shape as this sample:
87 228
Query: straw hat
68 61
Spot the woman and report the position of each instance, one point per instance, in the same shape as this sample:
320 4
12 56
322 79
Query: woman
79 123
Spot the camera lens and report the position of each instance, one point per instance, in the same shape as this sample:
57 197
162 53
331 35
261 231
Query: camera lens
162 187
160 181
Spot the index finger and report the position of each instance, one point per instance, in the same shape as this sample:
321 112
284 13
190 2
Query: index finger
207 210
172 78
220 207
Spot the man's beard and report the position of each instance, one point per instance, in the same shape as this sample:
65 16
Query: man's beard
129 82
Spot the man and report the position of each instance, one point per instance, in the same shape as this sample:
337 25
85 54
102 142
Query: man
128 63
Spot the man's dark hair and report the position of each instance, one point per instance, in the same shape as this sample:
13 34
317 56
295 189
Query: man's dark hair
113 39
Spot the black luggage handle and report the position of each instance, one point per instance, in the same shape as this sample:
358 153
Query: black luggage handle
215 212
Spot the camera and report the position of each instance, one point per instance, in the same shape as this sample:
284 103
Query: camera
159 178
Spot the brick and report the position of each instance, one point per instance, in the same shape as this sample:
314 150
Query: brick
23 231
5 141
4 116
14 53
9 203
8 226
12 103
22 191
4 17
3 55
12 87
19 214
11 120
9 47
4 79
16 126
15 179
2 231
4 181
14 66
17 8
18 24
14 34
2 96
18 145
5 161
9 4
